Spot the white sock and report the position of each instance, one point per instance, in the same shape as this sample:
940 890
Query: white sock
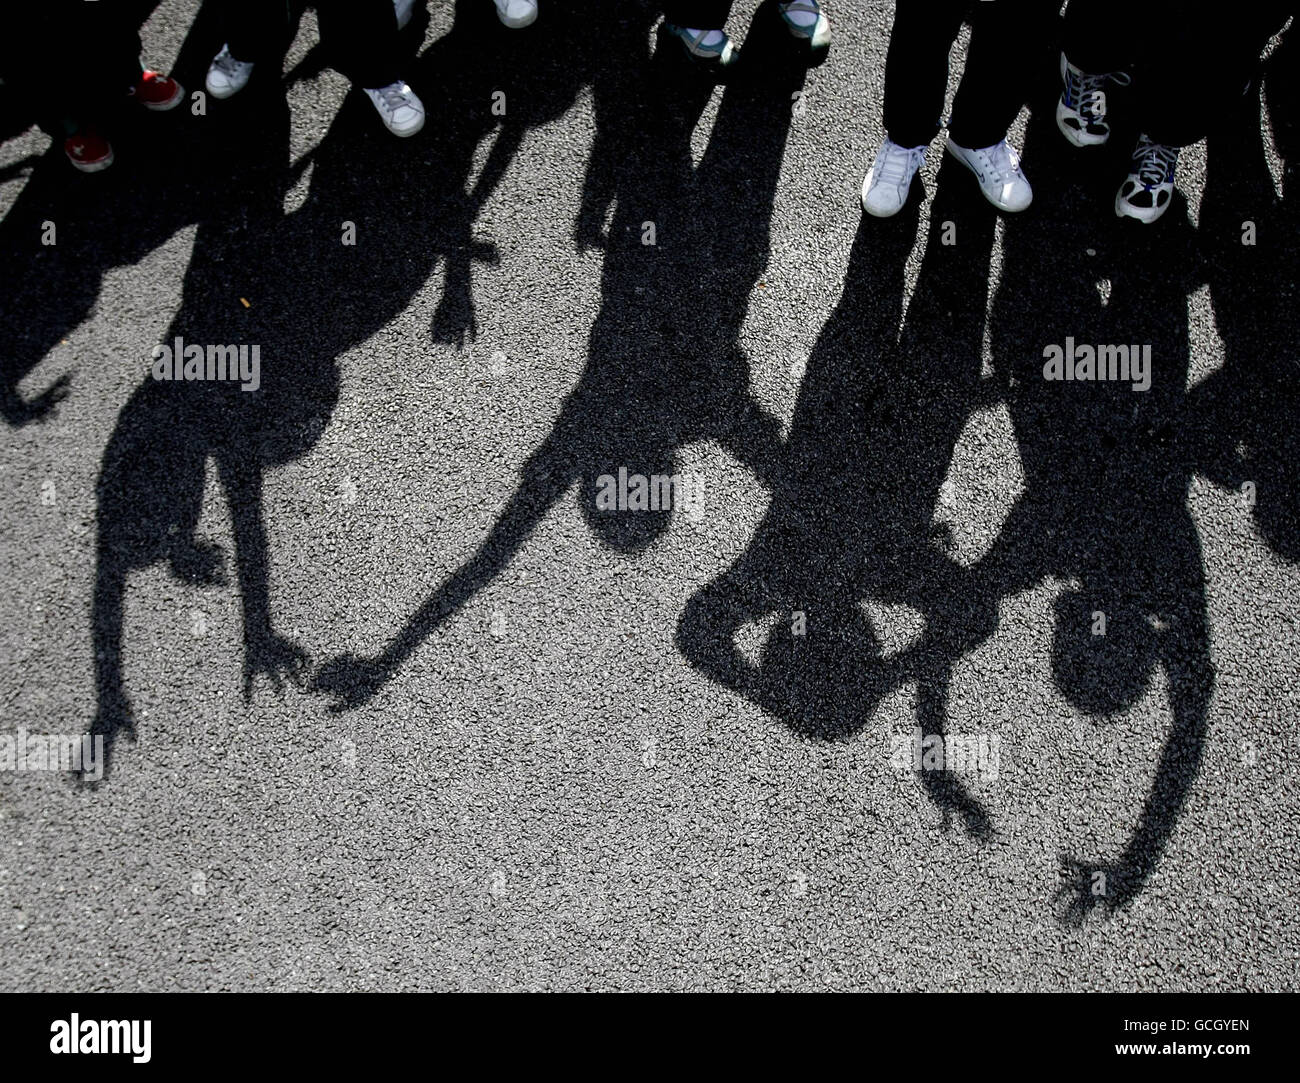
800 18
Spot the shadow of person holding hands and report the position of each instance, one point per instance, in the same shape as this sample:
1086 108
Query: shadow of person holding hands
686 247
883 402
1242 417
1094 347
297 291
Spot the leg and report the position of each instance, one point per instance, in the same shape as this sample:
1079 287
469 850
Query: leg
698 14
100 62
916 69
1224 58
1093 40
1006 37
362 39
255 29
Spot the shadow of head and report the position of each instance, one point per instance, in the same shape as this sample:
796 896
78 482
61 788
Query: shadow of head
1103 652
630 503
823 674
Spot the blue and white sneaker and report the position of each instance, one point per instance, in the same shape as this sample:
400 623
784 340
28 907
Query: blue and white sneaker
1149 188
806 21
1081 109
712 48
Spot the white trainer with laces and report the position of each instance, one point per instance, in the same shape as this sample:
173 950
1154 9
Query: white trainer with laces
997 168
399 107
888 181
1149 188
226 75
517 14
1081 109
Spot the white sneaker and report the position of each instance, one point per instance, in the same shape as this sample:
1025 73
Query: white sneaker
517 14
226 75
1149 188
399 108
997 168
884 191
403 9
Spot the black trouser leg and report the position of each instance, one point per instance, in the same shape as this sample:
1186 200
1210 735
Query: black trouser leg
1223 60
362 39
1169 50
916 68
698 14
98 50
1006 36
255 29
1095 39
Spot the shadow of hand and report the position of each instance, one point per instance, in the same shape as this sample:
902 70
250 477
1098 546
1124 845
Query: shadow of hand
276 657
1088 886
18 411
349 681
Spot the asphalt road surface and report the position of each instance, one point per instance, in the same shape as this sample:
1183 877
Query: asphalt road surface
394 699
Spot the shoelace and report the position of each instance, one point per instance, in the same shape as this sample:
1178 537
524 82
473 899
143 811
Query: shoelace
1155 162
895 162
394 95
1003 160
227 64
1089 91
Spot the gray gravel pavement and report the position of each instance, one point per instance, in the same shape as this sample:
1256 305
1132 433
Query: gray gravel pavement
535 744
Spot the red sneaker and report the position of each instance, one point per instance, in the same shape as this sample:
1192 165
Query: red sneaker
88 152
158 92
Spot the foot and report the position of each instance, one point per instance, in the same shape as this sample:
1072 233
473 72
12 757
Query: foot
157 91
805 19
88 152
1081 110
517 14
403 9
399 108
884 191
711 48
997 168
226 75
1149 188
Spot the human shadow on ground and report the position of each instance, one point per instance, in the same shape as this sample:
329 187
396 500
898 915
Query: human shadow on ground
1109 470
686 246
1244 414
296 287
165 179
884 398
